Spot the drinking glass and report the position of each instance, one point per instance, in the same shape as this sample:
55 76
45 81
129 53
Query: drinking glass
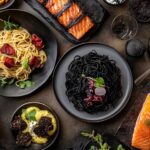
124 27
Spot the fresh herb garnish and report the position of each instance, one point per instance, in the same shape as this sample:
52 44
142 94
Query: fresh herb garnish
31 115
24 84
25 63
98 139
21 84
83 75
99 82
147 122
5 81
10 25
29 83
10 81
120 147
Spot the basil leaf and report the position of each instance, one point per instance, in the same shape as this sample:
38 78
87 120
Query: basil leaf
99 82
25 63
31 115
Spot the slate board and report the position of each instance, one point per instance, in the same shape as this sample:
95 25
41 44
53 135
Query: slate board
127 127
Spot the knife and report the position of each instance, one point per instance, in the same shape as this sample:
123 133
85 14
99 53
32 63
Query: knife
142 77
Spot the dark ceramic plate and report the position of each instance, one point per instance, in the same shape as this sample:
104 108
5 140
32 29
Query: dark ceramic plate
33 25
60 79
140 9
7 5
93 8
36 146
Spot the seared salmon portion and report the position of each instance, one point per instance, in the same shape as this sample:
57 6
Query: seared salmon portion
55 6
141 135
69 15
81 28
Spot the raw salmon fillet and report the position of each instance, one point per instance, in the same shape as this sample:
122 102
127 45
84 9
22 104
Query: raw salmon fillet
55 6
141 135
69 15
81 28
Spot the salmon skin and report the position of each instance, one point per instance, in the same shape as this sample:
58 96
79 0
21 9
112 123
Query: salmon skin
55 6
72 13
81 28
141 135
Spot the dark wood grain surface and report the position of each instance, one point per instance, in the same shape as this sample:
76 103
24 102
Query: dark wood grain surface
70 126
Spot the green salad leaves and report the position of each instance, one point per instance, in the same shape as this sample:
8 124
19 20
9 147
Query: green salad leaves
99 82
6 81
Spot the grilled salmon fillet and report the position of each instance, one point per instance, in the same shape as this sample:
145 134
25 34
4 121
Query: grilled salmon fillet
141 135
55 6
81 28
70 14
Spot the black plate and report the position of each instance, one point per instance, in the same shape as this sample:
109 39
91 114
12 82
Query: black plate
140 9
33 25
36 146
93 8
62 68
8 4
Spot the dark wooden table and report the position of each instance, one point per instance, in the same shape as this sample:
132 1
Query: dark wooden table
70 126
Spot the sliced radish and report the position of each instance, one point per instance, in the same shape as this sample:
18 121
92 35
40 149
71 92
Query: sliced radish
100 91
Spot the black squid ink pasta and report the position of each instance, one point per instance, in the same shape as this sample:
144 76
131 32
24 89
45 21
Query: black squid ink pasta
82 74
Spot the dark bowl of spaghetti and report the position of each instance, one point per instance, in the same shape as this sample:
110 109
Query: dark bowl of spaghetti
23 69
93 82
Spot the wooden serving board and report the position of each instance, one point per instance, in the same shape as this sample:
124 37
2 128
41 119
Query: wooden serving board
127 126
